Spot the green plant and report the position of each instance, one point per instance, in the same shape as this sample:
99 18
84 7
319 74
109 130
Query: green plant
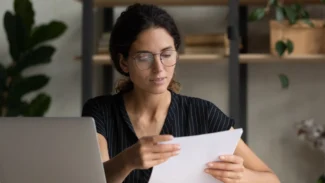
290 12
321 178
28 47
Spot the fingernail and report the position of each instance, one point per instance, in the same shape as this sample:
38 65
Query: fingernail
210 164
206 170
178 146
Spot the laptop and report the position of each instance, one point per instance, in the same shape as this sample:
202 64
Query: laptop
49 150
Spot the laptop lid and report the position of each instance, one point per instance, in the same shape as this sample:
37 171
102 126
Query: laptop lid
51 150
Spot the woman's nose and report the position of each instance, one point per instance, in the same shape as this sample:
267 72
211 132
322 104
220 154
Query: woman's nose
157 64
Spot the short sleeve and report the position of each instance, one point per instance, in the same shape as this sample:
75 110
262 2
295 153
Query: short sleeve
92 109
218 120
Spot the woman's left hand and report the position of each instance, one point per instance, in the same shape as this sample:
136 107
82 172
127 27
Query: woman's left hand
229 169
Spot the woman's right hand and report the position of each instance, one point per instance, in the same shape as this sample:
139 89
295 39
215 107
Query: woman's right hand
148 152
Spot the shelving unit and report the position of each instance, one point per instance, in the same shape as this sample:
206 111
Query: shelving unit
237 59
104 59
112 3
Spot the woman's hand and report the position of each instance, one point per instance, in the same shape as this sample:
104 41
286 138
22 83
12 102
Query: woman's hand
147 152
229 169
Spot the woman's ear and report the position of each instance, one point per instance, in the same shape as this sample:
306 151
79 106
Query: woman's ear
123 64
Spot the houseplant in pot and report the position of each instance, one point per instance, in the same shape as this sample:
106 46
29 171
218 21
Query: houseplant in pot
292 31
28 47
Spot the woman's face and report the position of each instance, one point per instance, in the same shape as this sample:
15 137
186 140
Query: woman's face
151 61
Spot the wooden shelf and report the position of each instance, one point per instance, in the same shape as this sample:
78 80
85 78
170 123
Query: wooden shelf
111 3
104 59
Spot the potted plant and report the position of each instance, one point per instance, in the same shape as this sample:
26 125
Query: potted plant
28 47
292 31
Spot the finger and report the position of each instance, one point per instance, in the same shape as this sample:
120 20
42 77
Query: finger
166 155
224 174
162 138
232 159
226 166
159 148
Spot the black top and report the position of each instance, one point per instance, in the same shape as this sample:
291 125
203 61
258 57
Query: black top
186 116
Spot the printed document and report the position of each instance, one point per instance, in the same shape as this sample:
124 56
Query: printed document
196 151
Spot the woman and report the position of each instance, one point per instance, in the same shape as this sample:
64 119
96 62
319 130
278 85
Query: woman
147 109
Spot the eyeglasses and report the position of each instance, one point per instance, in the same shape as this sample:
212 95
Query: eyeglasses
146 59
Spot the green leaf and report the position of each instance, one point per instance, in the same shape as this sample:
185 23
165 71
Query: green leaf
322 1
39 105
40 55
3 78
291 15
17 109
280 47
257 14
16 35
284 81
23 86
279 13
296 7
321 179
47 32
290 46
24 9
273 2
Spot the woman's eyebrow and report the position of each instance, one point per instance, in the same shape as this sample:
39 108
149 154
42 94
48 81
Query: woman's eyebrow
146 51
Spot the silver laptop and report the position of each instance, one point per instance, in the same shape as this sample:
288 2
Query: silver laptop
49 150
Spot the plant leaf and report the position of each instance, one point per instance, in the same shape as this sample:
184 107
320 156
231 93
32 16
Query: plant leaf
279 13
321 179
47 32
40 55
23 86
322 1
17 109
3 78
24 9
290 46
257 14
39 105
280 47
284 81
273 2
16 35
296 7
291 15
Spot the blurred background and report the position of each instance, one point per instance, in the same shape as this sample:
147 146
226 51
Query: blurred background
273 108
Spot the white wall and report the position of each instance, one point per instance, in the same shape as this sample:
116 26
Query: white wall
271 110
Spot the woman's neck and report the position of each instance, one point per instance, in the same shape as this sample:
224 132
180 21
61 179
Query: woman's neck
144 103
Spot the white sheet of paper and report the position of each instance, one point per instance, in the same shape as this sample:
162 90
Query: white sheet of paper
196 151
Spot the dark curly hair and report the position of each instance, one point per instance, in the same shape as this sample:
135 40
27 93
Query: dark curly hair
135 19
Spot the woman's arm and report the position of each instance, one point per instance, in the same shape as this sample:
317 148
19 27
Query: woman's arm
115 169
255 170
242 167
